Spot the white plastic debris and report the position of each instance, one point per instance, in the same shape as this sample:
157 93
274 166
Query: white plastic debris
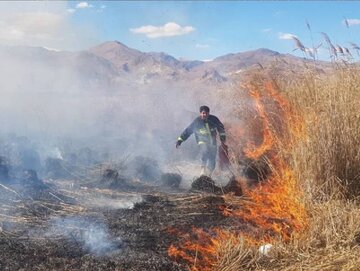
265 249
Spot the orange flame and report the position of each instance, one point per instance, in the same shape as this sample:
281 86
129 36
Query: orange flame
274 207
201 251
293 120
268 139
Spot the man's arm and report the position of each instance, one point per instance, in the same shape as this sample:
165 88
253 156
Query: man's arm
185 135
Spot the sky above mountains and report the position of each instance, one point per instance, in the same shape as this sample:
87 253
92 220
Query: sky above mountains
201 30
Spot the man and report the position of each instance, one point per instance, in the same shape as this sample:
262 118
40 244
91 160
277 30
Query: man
205 127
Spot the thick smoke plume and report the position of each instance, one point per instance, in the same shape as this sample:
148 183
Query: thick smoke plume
79 107
60 104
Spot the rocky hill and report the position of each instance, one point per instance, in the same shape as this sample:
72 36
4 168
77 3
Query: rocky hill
113 66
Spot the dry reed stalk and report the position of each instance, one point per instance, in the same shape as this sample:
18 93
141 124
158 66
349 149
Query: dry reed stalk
236 255
327 163
329 155
331 243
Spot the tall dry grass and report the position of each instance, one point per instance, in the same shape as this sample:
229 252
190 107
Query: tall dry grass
326 162
330 243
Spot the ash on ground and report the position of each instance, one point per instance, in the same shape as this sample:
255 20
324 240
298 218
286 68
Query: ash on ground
111 221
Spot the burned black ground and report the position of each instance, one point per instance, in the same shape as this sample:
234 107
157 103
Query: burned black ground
138 237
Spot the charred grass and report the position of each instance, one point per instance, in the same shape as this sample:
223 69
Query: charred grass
45 234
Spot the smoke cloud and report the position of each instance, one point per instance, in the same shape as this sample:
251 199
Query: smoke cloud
63 104
58 103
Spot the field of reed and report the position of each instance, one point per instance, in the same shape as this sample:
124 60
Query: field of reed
325 161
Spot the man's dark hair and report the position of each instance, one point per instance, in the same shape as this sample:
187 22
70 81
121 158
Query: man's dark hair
204 108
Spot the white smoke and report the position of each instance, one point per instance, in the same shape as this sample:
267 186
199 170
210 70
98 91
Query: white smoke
94 237
63 105
69 101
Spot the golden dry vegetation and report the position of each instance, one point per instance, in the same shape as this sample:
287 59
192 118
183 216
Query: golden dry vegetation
324 157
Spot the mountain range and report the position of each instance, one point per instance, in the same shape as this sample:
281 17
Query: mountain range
113 66
161 65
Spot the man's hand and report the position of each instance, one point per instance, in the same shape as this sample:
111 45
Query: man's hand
178 143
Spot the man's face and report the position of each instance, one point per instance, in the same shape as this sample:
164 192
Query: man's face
204 115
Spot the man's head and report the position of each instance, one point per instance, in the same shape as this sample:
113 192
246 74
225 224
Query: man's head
204 112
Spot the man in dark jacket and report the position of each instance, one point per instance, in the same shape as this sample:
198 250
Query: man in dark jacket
205 127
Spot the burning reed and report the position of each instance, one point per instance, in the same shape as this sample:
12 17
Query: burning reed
306 206
274 208
326 162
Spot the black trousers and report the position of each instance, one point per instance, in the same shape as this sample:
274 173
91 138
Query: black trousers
208 155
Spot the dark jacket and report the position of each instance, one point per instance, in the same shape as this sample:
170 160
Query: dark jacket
205 130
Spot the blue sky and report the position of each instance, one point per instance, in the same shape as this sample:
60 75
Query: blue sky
191 30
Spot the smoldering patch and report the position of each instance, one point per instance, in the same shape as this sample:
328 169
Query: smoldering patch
93 236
